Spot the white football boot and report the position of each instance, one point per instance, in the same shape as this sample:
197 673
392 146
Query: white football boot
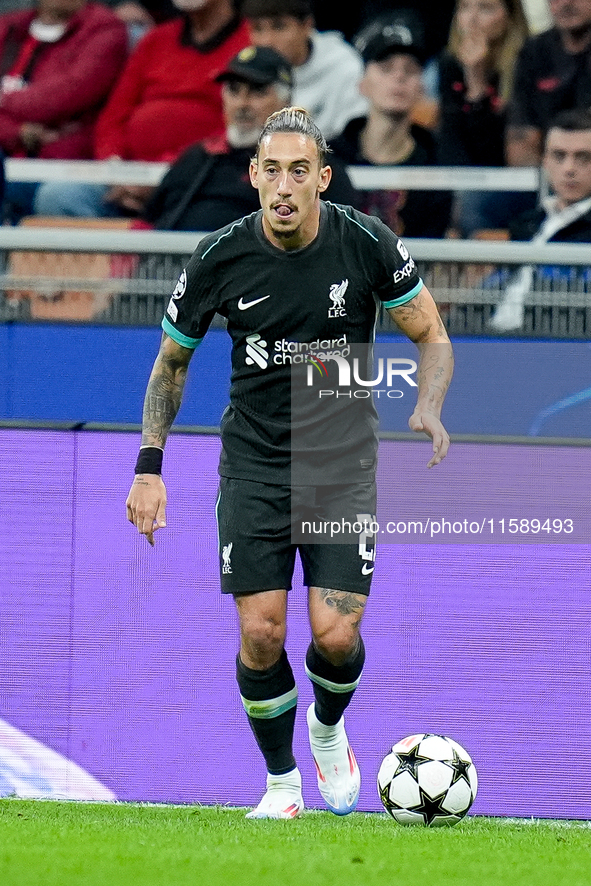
283 797
339 778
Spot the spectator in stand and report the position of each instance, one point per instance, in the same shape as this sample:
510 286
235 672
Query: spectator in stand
58 64
209 185
476 79
475 83
350 18
563 217
166 99
553 74
394 58
326 69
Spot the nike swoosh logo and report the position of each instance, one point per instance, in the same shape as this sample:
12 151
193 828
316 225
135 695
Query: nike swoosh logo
245 305
367 570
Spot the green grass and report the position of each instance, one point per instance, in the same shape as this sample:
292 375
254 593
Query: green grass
87 844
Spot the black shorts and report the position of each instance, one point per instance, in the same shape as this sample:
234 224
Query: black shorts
261 526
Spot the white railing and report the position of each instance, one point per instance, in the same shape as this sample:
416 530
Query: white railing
452 178
65 239
40 239
147 264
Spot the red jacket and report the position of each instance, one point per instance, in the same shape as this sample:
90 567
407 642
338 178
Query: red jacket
69 83
166 98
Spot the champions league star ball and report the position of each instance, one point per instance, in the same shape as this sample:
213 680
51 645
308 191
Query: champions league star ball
427 779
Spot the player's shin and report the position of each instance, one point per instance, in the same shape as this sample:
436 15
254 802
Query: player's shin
333 685
270 698
337 770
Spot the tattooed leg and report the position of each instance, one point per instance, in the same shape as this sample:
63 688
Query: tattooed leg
334 660
335 617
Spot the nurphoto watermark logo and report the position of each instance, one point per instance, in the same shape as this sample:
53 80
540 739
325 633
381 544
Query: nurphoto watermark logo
353 377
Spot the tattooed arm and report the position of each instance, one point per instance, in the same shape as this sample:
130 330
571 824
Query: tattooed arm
419 319
165 390
146 502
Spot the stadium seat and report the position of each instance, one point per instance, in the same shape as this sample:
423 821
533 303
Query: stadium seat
491 234
49 297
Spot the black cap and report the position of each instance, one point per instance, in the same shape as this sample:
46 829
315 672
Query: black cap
258 64
386 36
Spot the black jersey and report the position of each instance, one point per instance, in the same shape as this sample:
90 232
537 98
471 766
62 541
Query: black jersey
292 310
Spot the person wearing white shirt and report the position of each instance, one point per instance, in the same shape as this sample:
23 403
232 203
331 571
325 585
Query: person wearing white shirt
327 69
563 217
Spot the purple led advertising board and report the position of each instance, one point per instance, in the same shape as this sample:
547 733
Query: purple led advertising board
117 660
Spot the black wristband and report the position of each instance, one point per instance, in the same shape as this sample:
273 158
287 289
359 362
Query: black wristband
149 460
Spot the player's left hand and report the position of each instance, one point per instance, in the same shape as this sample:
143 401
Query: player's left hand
431 425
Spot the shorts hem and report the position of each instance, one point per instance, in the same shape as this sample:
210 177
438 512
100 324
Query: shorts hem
364 591
258 590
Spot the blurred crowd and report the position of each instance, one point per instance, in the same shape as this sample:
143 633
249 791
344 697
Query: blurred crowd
190 82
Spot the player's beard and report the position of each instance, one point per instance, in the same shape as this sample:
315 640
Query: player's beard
241 137
282 233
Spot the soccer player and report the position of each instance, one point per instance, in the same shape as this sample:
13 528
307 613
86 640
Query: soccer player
296 274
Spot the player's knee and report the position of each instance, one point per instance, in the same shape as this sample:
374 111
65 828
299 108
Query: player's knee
263 639
337 642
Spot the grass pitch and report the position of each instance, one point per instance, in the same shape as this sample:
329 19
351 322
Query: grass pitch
87 844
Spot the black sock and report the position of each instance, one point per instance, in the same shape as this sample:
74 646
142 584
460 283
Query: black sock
270 698
333 686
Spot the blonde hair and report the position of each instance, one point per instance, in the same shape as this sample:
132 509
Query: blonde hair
504 53
298 120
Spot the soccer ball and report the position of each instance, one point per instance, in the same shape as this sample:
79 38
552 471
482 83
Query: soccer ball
427 779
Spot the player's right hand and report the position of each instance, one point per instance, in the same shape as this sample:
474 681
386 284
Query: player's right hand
146 504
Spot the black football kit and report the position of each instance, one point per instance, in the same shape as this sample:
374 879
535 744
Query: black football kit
297 320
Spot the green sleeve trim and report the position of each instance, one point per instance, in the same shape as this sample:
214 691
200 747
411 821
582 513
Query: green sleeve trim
404 298
178 337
